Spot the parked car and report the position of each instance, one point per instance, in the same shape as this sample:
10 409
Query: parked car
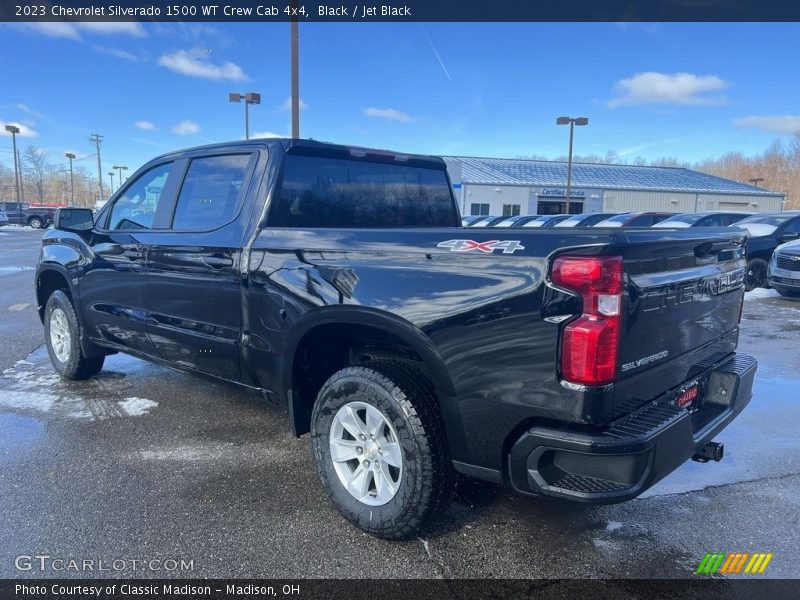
515 221
409 348
784 269
469 220
767 232
21 213
546 221
713 218
488 221
584 219
3 217
642 219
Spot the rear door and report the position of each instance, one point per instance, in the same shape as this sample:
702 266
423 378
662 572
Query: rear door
193 281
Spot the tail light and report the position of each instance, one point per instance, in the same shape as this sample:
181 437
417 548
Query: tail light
590 344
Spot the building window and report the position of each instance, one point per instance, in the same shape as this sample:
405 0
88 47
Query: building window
510 210
479 209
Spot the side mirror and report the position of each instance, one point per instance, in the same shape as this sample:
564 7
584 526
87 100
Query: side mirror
74 219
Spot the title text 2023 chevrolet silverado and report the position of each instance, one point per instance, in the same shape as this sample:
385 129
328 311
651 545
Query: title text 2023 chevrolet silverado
585 364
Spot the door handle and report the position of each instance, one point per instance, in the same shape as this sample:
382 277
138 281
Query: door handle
132 254
216 261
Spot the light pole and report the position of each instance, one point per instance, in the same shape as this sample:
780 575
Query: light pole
71 156
294 49
756 180
14 130
120 168
111 176
249 98
579 121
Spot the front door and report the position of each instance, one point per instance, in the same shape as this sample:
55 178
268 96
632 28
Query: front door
112 288
193 281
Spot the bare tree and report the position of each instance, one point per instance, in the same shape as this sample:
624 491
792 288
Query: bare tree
36 167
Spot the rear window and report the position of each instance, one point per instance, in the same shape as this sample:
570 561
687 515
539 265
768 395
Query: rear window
335 192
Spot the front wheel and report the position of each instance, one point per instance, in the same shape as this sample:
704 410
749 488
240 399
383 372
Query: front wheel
756 275
380 449
62 336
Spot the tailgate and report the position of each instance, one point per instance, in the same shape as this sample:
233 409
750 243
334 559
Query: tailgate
684 291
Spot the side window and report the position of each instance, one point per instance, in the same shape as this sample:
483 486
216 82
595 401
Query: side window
136 208
793 227
713 221
210 192
641 221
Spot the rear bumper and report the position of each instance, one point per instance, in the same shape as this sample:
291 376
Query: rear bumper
635 452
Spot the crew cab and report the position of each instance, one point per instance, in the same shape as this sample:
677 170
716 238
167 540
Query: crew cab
580 363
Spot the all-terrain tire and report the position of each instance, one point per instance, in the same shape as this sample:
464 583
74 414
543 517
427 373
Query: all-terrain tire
406 399
67 358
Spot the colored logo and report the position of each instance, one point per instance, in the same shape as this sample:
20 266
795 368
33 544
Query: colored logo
735 562
507 246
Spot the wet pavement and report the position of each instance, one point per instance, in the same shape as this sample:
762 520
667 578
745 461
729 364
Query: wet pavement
146 463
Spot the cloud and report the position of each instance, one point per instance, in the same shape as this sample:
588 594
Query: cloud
266 134
287 104
387 113
28 109
24 130
145 125
665 88
772 124
72 31
131 28
186 127
115 52
196 64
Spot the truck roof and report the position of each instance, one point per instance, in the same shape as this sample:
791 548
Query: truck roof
315 148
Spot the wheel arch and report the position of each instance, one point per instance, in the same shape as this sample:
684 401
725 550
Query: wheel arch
49 278
341 327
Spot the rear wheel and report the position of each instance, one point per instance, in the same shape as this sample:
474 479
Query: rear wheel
380 449
62 337
36 222
756 275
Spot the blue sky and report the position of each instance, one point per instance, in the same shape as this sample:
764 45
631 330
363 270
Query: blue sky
683 90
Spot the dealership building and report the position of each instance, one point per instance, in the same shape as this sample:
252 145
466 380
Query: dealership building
503 186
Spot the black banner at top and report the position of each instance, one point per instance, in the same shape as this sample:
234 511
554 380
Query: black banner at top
400 10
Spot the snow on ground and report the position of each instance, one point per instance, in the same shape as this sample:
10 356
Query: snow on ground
32 386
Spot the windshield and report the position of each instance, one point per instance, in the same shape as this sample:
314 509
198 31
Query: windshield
757 229
680 220
615 221
773 220
537 222
571 222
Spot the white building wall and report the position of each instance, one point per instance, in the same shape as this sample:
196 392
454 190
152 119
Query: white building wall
644 201
495 196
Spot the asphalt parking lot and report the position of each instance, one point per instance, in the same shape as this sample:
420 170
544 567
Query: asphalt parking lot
145 463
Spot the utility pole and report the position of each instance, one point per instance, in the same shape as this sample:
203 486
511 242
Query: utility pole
71 156
111 176
96 139
295 74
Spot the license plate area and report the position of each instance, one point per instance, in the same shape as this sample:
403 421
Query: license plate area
689 396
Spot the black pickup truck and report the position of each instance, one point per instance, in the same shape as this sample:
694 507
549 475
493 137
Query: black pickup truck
585 364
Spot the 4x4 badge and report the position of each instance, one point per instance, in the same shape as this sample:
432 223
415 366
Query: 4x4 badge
507 246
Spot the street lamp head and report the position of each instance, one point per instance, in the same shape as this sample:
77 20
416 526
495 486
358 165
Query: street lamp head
12 129
70 155
562 121
234 97
582 121
252 98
